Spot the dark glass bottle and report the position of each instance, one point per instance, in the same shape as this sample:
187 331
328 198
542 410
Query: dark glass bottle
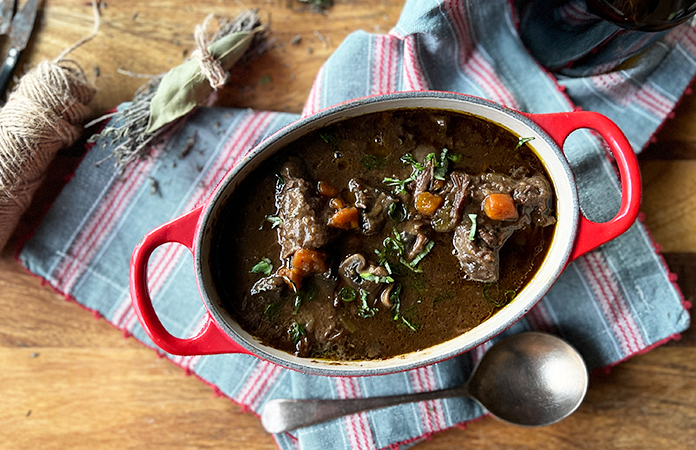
644 15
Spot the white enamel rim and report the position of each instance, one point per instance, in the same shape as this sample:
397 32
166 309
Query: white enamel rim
564 236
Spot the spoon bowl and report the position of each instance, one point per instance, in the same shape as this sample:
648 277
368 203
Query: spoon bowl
529 379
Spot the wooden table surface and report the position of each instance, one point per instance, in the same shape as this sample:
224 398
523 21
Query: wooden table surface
70 381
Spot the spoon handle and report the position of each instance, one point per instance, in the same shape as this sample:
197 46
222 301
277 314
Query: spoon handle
281 415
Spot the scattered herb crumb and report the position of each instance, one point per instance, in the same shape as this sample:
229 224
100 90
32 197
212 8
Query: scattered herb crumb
297 331
372 162
397 212
154 187
493 294
275 221
188 145
265 80
472 231
272 312
364 309
347 294
265 266
522 141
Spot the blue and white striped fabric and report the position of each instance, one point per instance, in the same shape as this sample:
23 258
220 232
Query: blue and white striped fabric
611 304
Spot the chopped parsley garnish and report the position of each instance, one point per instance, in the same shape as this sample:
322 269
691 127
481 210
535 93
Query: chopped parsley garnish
441 166
395 299
371 162
429 246
448 295
274 220
364 309
472 231
439 169
522 141
307 293
347 294
377 279
398 185
409 159
454 157
329 139
397 212
493 295
265 266
394 246
272 311
280 181
297 331
408 324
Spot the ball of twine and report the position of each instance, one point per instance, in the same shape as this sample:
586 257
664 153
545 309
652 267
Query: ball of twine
44 114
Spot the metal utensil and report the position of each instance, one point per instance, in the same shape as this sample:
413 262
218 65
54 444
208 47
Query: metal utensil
20 31
530 379
7 8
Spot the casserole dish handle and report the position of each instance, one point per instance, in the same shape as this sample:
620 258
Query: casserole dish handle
211 339
592 234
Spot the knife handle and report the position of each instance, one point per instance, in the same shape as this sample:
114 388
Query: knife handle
7 71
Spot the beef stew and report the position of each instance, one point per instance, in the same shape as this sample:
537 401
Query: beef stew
383 234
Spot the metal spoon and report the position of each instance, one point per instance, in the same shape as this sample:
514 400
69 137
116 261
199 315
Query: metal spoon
530 379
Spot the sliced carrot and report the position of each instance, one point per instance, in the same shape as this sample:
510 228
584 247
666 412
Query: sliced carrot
325 189
336 203
499 207
345 218
427 203
304 262
292 279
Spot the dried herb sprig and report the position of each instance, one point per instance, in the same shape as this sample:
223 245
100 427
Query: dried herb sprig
165 100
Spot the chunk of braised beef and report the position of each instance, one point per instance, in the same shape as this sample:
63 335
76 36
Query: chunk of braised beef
457 195
461 182
478 252
424 179
300 209
364 195
534 192
271 284
414 226
478 260
373 205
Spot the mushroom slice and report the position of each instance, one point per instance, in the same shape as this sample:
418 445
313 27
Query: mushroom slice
384 296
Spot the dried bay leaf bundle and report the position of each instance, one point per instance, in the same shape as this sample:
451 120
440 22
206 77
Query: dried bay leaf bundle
186 86
164 101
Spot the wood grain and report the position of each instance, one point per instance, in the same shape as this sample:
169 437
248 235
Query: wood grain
70 381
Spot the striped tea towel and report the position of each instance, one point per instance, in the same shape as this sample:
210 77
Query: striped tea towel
611 304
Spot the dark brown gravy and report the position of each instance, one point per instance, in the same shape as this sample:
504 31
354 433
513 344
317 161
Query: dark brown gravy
436 304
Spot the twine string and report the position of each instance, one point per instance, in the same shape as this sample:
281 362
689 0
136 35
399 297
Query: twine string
42 115
212 69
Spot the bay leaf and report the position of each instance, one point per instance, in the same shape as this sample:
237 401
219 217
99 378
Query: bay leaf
185 86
